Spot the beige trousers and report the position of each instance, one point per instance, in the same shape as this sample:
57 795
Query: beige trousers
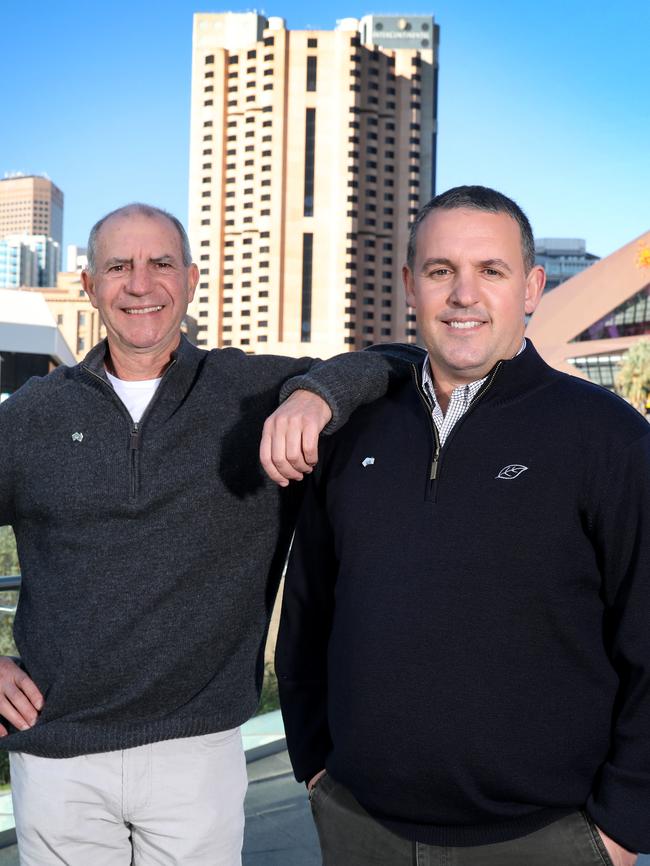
169 803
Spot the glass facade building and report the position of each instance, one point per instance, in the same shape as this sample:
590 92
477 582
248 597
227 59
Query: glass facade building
562 258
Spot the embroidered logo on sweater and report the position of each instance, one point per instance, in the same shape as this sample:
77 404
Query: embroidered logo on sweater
513 470
367 461
77 437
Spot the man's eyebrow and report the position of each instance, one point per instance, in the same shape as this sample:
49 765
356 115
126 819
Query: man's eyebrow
114 260
496 263
167 258
429 263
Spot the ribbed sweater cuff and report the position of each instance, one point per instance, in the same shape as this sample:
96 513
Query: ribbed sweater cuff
621 807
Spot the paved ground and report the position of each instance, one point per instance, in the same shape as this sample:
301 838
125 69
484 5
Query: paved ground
279 829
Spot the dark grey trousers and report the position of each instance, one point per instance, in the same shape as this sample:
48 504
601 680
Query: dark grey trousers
350 837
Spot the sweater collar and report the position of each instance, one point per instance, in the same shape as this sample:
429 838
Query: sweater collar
177 378
509 378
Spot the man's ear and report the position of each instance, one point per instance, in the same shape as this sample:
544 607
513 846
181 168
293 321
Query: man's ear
535 282
89 287
409 285
192 281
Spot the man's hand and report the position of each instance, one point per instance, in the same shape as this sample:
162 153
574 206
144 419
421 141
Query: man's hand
314 779
619 856
20 699
289 446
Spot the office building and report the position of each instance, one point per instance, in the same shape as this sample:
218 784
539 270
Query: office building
562 258
586 324
30 342
77 258
311 151
28 260
31 205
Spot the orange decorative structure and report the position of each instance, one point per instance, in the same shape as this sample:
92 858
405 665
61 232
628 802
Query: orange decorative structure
643 257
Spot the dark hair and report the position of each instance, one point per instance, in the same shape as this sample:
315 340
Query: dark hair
477 198
146 210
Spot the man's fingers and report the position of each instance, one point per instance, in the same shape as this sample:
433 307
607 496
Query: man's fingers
289 446
3 731
29 687
294 448
282 437
20 698
17 709
266 453
310 436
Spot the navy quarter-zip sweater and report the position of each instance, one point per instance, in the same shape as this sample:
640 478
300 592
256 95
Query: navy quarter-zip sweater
470 654
150 557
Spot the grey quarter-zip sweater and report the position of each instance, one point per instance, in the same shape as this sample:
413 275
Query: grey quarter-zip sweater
151 555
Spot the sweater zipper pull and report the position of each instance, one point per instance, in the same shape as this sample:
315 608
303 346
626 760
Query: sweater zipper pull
434 465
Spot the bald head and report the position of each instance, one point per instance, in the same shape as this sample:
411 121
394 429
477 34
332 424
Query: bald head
137 209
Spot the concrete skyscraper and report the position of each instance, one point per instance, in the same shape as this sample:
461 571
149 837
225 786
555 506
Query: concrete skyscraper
31 228
310 153
31 205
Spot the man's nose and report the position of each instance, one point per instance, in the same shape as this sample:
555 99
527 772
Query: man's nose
139 282
464 290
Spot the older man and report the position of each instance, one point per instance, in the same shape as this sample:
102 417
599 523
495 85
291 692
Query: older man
151 547
464 644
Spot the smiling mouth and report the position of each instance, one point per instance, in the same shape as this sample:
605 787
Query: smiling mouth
466 325
141 311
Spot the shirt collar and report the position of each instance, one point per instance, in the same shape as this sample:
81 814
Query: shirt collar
466 392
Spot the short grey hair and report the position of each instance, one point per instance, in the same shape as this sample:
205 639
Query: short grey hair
476 198
145 210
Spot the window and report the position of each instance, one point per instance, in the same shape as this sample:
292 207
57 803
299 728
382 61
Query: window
311 73
307 261
310 142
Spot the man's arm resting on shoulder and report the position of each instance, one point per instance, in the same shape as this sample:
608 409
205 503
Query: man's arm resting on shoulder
301 650
289 447
620 802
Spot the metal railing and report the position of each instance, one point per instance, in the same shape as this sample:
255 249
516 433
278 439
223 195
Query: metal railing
9 582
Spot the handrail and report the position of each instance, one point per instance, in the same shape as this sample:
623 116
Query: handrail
11 581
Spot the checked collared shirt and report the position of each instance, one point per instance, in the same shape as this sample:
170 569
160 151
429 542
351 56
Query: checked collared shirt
459 402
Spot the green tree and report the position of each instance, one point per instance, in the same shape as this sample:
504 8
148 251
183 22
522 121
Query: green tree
633 377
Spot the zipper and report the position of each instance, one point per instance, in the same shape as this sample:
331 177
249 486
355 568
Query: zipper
134 449
434 472
136 427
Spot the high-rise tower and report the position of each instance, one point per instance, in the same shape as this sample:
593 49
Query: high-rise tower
311 151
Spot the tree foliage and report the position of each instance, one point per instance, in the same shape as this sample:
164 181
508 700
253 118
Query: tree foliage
633 377
8 555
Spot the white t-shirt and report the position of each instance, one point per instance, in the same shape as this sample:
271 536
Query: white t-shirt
136 395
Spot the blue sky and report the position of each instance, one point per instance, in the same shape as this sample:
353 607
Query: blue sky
547 102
